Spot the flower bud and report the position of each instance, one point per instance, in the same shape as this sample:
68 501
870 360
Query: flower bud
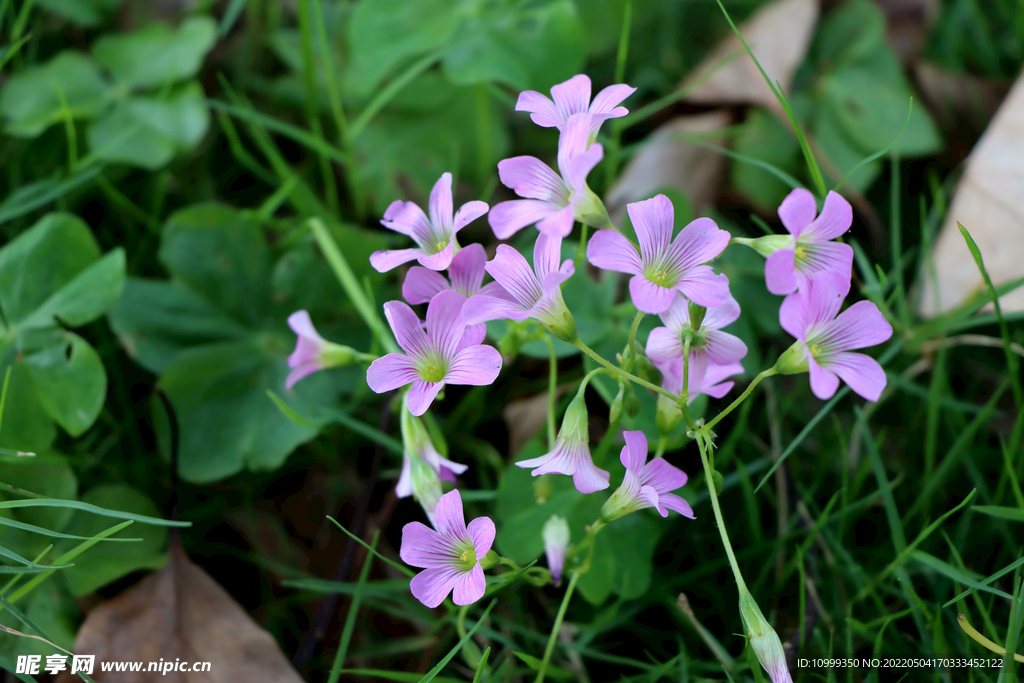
696 315
590 209
558 320
426 486
793 360
556 541
769 244
668 416
615 409
763 639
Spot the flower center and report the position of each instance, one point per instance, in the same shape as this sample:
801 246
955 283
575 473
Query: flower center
432 371
465 557
441 244
662 278
801 252
815 349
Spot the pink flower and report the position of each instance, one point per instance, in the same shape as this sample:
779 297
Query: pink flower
708 343
645 485
435 236
441 354
449 556
664 267
573 97
313 352
417 445
825 341
810 252
467 278
551 201
556 542
713 383
528 295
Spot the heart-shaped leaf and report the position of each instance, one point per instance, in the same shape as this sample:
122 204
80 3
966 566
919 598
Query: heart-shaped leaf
157 54
34 99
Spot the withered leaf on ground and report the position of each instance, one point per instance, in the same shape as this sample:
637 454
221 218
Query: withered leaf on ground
778 34
989 202
180 612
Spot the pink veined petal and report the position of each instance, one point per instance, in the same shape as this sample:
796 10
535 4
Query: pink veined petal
793 314
862 373
634 453
648 498
451 522
512 271
607 101
421 395
835 218
677 315
422 284
663 345
564 458
823 382
536 462
508 218
531 178
493 289
474 335
572 96
825 298
408 218
588 477
715 390
704 287
720 316
475 366
649 297
834 258
652 221
573 140
609 250
542 110
699 242
438 261
403 489
547 252
580 166
470 586
858 327
780 272
698 366
558 224
723 348
432 586
481 532
674 502
445 325
662 476
439 462
441 204
467 269
307 351
483 308
797 211
406 325
423 547
468 213
302 325
300 372
389 259
390 372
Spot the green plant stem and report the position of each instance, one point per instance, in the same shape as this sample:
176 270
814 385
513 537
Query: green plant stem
742 397
685 395
615 370
631 346
552 386
389 91
558 625
709 479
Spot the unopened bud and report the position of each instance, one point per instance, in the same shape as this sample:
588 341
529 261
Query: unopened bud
615 409
696 315
763 639
556 542
769 244
668 416
793 360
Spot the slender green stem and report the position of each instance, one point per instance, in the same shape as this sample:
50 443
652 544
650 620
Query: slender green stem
662 444
558 625
742 397
389 91
709 479
552 386
631 358
615 370
685 395
612 165
606 440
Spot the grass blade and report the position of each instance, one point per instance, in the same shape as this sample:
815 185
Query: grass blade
353 611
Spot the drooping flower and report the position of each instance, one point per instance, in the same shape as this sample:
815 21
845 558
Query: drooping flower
434 236
824 341
537 296
573 97
708 343
663 266
556 542
449 556
809 251
433 357
313 352
552 201
646 484
763 639
570 454
466 274
423 468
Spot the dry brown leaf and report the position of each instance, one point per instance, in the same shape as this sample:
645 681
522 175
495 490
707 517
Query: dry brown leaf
180 612
526 416
989 202
953 95
778 34
668 160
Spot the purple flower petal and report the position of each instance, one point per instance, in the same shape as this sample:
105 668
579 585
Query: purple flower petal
780 272
481 532
704 287
634 453
797 211
440 260
470 586
432 586
823 382
572 96
793 315
483 308
508 218
558 224
836 218
723 348
422 284
300 371
661 476
441 203
663 345
476 366
445 325
403 488
699 242
406 325
450 519
389 259
652 221
674 502
423 547
858 327
543 111
467 269
609 250
649 297
579 167
718 317
390 372
473 336
302 325
468 213
512 271
648 498
817 258
531 178
607 101
588 477
408 219
421 395
862 373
